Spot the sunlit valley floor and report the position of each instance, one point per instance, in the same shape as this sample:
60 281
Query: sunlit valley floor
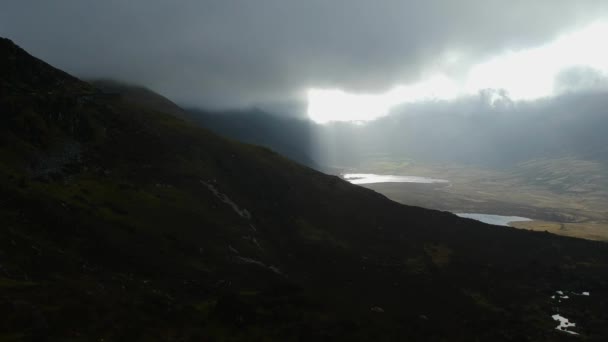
562 196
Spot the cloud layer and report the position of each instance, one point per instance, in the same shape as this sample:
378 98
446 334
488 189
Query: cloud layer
228 53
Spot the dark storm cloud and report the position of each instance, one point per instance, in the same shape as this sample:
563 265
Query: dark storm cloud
230 53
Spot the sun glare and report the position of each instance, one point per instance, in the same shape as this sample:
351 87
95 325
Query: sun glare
530 74
524 75
326 105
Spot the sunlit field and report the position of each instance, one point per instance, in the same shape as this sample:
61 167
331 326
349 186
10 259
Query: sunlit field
553 203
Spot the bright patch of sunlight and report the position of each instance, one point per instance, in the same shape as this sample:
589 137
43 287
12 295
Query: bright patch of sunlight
524 75
530 74
325 105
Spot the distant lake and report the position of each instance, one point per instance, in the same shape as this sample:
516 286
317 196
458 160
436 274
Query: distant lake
370 178
498 220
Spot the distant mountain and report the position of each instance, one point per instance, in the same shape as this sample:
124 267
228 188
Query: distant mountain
471 131
292 137
121 222
464 132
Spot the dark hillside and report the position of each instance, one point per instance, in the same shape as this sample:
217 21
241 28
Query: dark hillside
140 96
123 223
289 136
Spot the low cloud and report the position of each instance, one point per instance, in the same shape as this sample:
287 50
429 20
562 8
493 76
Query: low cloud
234 53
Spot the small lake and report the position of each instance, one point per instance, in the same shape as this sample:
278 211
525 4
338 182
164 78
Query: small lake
498 220
370 178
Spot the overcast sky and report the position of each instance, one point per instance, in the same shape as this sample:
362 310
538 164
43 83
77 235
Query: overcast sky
230 53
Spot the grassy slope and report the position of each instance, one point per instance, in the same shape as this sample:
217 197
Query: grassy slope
111 230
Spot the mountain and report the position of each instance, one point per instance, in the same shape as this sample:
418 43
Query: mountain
468 131
474 132
290 136
138 95
124 223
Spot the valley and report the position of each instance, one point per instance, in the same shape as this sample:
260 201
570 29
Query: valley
564 204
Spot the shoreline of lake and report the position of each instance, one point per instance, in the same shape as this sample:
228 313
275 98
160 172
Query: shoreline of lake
372 178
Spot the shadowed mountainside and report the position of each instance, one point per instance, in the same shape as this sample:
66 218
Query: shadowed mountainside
139 96
125 223
291 137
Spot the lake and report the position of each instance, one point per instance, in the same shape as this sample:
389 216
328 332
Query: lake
370 178
498 220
